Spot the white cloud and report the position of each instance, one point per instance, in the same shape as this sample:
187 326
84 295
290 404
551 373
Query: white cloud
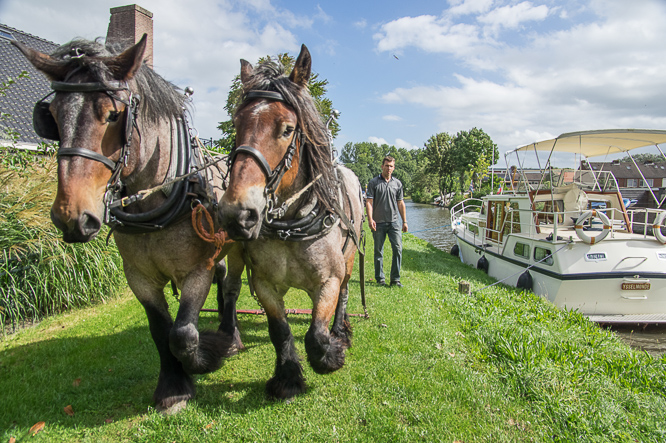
513 15
378 140
400 143
392 118
463 7
197 43
427 32
361 24
603 73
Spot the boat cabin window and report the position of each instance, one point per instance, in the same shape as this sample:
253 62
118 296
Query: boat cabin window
540 253
522 250
512 222
546 210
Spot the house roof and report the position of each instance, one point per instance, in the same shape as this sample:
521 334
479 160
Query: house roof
628 169
20 98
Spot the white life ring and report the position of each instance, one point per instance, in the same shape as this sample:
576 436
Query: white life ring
656 228
586 238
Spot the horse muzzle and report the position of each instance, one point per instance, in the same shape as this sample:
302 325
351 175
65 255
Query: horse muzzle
239 222
81 229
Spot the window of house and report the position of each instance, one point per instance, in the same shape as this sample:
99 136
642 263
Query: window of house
541 253
639 182
522 250
6 34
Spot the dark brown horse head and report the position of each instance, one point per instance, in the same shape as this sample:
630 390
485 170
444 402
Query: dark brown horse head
90 124
266 127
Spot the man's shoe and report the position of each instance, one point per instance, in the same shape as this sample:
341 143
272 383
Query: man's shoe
396 283
381 282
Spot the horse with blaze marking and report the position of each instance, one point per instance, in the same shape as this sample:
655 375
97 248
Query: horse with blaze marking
298 215
121 130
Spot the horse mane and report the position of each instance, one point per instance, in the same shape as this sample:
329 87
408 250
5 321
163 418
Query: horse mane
270 76
159 97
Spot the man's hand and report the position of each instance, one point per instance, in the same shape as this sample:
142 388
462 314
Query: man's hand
372 224
404 226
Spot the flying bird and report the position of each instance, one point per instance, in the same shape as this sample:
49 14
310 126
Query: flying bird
396 57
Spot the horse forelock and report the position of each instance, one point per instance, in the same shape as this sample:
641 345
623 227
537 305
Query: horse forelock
270 76
159 97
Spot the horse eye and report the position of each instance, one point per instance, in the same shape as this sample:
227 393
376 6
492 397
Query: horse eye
288 131
113 116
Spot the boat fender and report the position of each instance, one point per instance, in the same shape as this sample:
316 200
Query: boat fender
525 281
583 235
656 228
455 250
482 264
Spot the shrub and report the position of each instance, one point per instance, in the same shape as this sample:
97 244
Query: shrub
39 273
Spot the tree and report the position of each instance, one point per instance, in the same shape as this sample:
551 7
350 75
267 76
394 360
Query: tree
316 86
364 159
441 162
474 151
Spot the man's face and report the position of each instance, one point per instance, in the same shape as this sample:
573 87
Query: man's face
387 169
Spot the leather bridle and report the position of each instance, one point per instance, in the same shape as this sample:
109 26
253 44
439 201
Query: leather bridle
273 176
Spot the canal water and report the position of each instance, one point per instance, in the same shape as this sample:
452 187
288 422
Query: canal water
433 224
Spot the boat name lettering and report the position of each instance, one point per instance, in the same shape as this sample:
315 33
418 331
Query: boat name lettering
661 255
596 256
635 286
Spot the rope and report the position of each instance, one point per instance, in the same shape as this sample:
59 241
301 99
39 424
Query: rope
521 271
210 236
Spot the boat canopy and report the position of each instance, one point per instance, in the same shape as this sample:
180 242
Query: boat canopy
599 142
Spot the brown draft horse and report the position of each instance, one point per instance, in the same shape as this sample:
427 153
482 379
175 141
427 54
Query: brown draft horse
121 131
297 213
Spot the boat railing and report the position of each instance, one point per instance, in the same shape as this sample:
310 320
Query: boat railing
559 225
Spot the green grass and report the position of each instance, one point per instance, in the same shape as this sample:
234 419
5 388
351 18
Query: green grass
40 274
429 365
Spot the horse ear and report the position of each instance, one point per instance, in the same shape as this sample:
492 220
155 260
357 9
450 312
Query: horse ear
53 69
301 72
125 65
246 71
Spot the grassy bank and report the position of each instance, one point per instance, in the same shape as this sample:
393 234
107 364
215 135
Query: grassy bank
429 365
40 274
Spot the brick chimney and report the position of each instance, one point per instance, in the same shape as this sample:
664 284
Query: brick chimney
127 26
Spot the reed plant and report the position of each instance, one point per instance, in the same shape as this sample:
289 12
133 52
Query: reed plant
40 274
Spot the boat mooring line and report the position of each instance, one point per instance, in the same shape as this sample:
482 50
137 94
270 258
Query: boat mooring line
429 229
521 271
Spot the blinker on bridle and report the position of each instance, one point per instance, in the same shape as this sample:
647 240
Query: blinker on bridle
273 176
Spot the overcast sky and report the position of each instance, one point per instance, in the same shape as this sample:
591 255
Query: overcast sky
399 72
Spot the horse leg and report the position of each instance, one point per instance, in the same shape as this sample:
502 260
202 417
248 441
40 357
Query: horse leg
288 380
199 352
326 352
227 296
341 328
174 385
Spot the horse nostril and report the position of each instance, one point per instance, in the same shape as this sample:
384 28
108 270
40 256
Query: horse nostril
89 223
248 218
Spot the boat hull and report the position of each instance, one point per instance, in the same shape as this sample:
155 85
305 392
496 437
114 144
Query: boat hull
614 286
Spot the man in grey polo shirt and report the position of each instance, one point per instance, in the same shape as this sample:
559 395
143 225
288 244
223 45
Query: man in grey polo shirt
384 201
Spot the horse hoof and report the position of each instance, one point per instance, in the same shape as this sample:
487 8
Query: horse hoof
173 409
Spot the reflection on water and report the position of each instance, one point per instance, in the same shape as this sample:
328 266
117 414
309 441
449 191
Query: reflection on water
433 224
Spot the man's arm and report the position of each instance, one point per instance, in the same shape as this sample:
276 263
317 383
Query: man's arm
368 209
402 209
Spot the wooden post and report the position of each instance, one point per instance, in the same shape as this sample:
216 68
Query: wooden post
464 287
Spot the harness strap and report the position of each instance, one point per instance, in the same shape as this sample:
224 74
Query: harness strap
87 153
258 156
88 87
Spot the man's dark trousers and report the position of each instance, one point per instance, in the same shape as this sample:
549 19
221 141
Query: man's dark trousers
394 232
